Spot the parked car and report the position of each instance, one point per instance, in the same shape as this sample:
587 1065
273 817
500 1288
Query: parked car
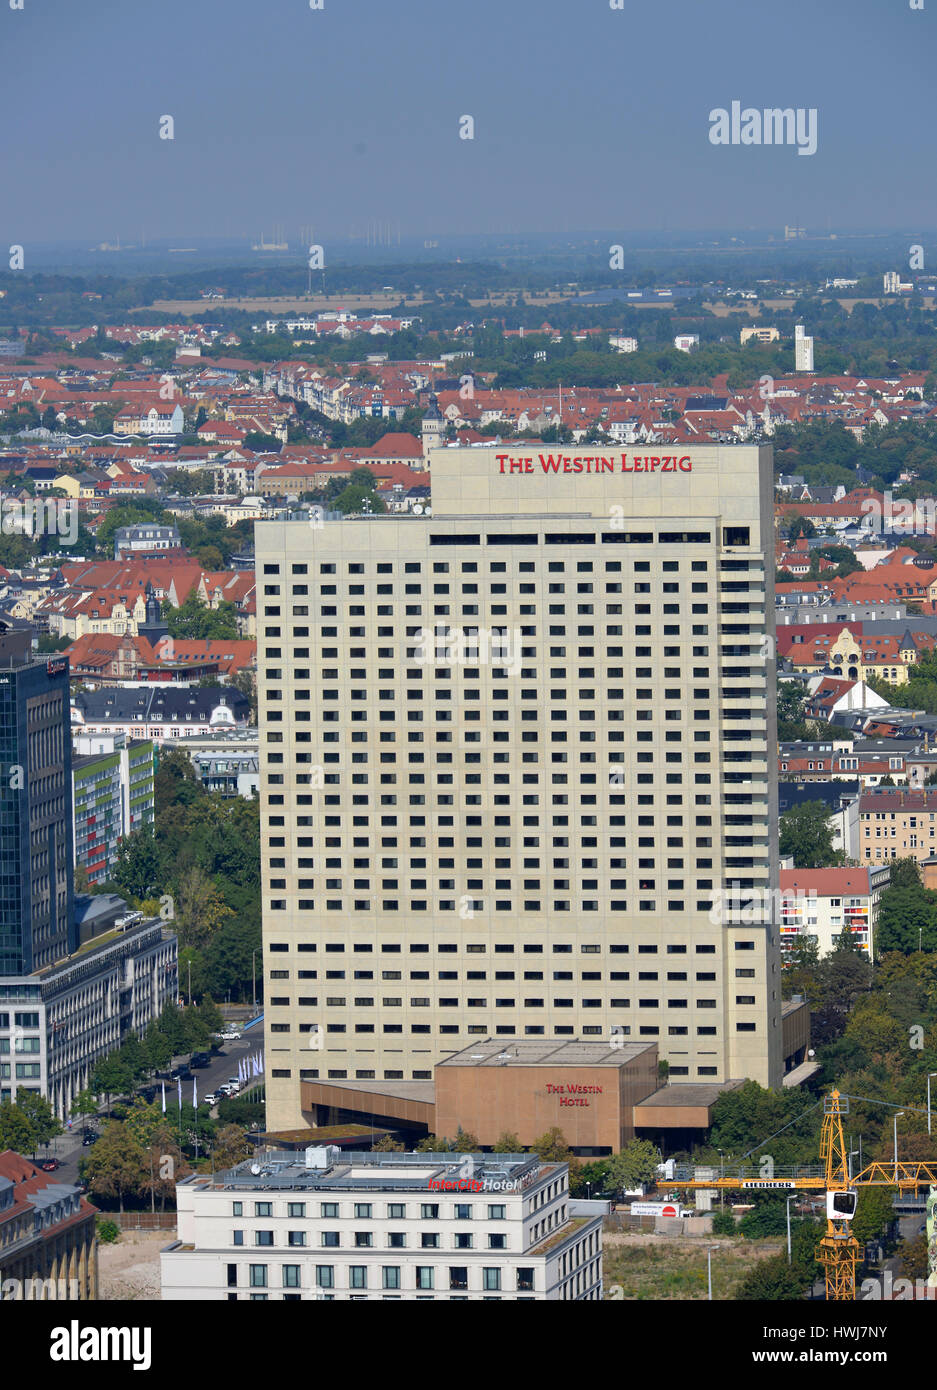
49 1165
212 1098
89 1137
230 1035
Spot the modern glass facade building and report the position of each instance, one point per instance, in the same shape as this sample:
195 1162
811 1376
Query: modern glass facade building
36 914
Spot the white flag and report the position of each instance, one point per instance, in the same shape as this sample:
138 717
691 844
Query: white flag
164 1097
195 1092
179 1084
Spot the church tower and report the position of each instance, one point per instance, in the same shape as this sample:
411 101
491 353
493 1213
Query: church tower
433 426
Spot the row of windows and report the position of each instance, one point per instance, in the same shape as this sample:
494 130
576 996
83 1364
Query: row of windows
364 1240
500 566
365 1211
390 1276
506 948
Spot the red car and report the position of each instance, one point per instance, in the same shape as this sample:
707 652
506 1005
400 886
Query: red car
49 1165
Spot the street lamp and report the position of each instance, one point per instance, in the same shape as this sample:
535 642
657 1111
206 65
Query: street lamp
897 1117
929 1075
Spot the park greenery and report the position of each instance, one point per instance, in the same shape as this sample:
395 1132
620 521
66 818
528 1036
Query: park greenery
200 860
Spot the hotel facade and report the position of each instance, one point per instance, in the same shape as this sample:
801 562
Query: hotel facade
511 755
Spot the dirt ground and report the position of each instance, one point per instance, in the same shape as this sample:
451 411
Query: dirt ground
129 1269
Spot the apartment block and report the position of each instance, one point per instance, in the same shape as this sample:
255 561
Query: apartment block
895 823
113 794
510 754
824 903
384 1226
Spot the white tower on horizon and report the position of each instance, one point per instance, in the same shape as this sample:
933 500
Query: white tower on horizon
803 350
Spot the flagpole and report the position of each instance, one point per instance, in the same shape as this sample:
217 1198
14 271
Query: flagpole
195 1108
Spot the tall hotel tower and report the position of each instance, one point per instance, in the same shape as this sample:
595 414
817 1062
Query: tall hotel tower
514 755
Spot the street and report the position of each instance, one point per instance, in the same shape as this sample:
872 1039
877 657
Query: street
67 1147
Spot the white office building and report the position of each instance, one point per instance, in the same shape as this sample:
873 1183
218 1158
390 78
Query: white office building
325 1225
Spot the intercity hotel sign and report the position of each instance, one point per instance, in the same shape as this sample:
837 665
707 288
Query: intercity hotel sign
594 463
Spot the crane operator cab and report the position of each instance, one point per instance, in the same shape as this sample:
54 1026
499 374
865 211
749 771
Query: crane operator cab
841 1206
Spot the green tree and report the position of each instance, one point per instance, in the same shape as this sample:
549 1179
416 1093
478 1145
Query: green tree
773 1281
194 619
465 1143
138 870
875 1213
635 1166
507 1143
40 1116
116 1165
388 1144
552 1146
907 920
16 1131
85 1103
806 834
111 1077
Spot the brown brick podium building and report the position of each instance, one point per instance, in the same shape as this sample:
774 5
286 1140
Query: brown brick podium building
587 1090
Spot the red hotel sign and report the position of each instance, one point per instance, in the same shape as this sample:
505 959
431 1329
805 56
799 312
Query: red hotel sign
572 1094
594 463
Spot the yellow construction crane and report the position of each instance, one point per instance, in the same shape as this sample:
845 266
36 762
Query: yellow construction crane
839 1250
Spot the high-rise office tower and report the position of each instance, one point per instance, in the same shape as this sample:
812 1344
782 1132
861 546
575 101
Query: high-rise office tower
36 925
513 756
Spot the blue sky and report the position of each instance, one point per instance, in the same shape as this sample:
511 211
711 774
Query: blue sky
585 117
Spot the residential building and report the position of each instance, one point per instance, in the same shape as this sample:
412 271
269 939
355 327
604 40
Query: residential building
824 903
158 417
113 781
375 1227
159 712
146 538
230 774
895 823
760 334
48 1246
531 729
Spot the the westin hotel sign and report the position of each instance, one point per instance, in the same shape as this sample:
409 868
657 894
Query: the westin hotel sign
594 463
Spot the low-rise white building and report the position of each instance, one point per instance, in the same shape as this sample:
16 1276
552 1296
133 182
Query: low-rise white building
824 903
376 1226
